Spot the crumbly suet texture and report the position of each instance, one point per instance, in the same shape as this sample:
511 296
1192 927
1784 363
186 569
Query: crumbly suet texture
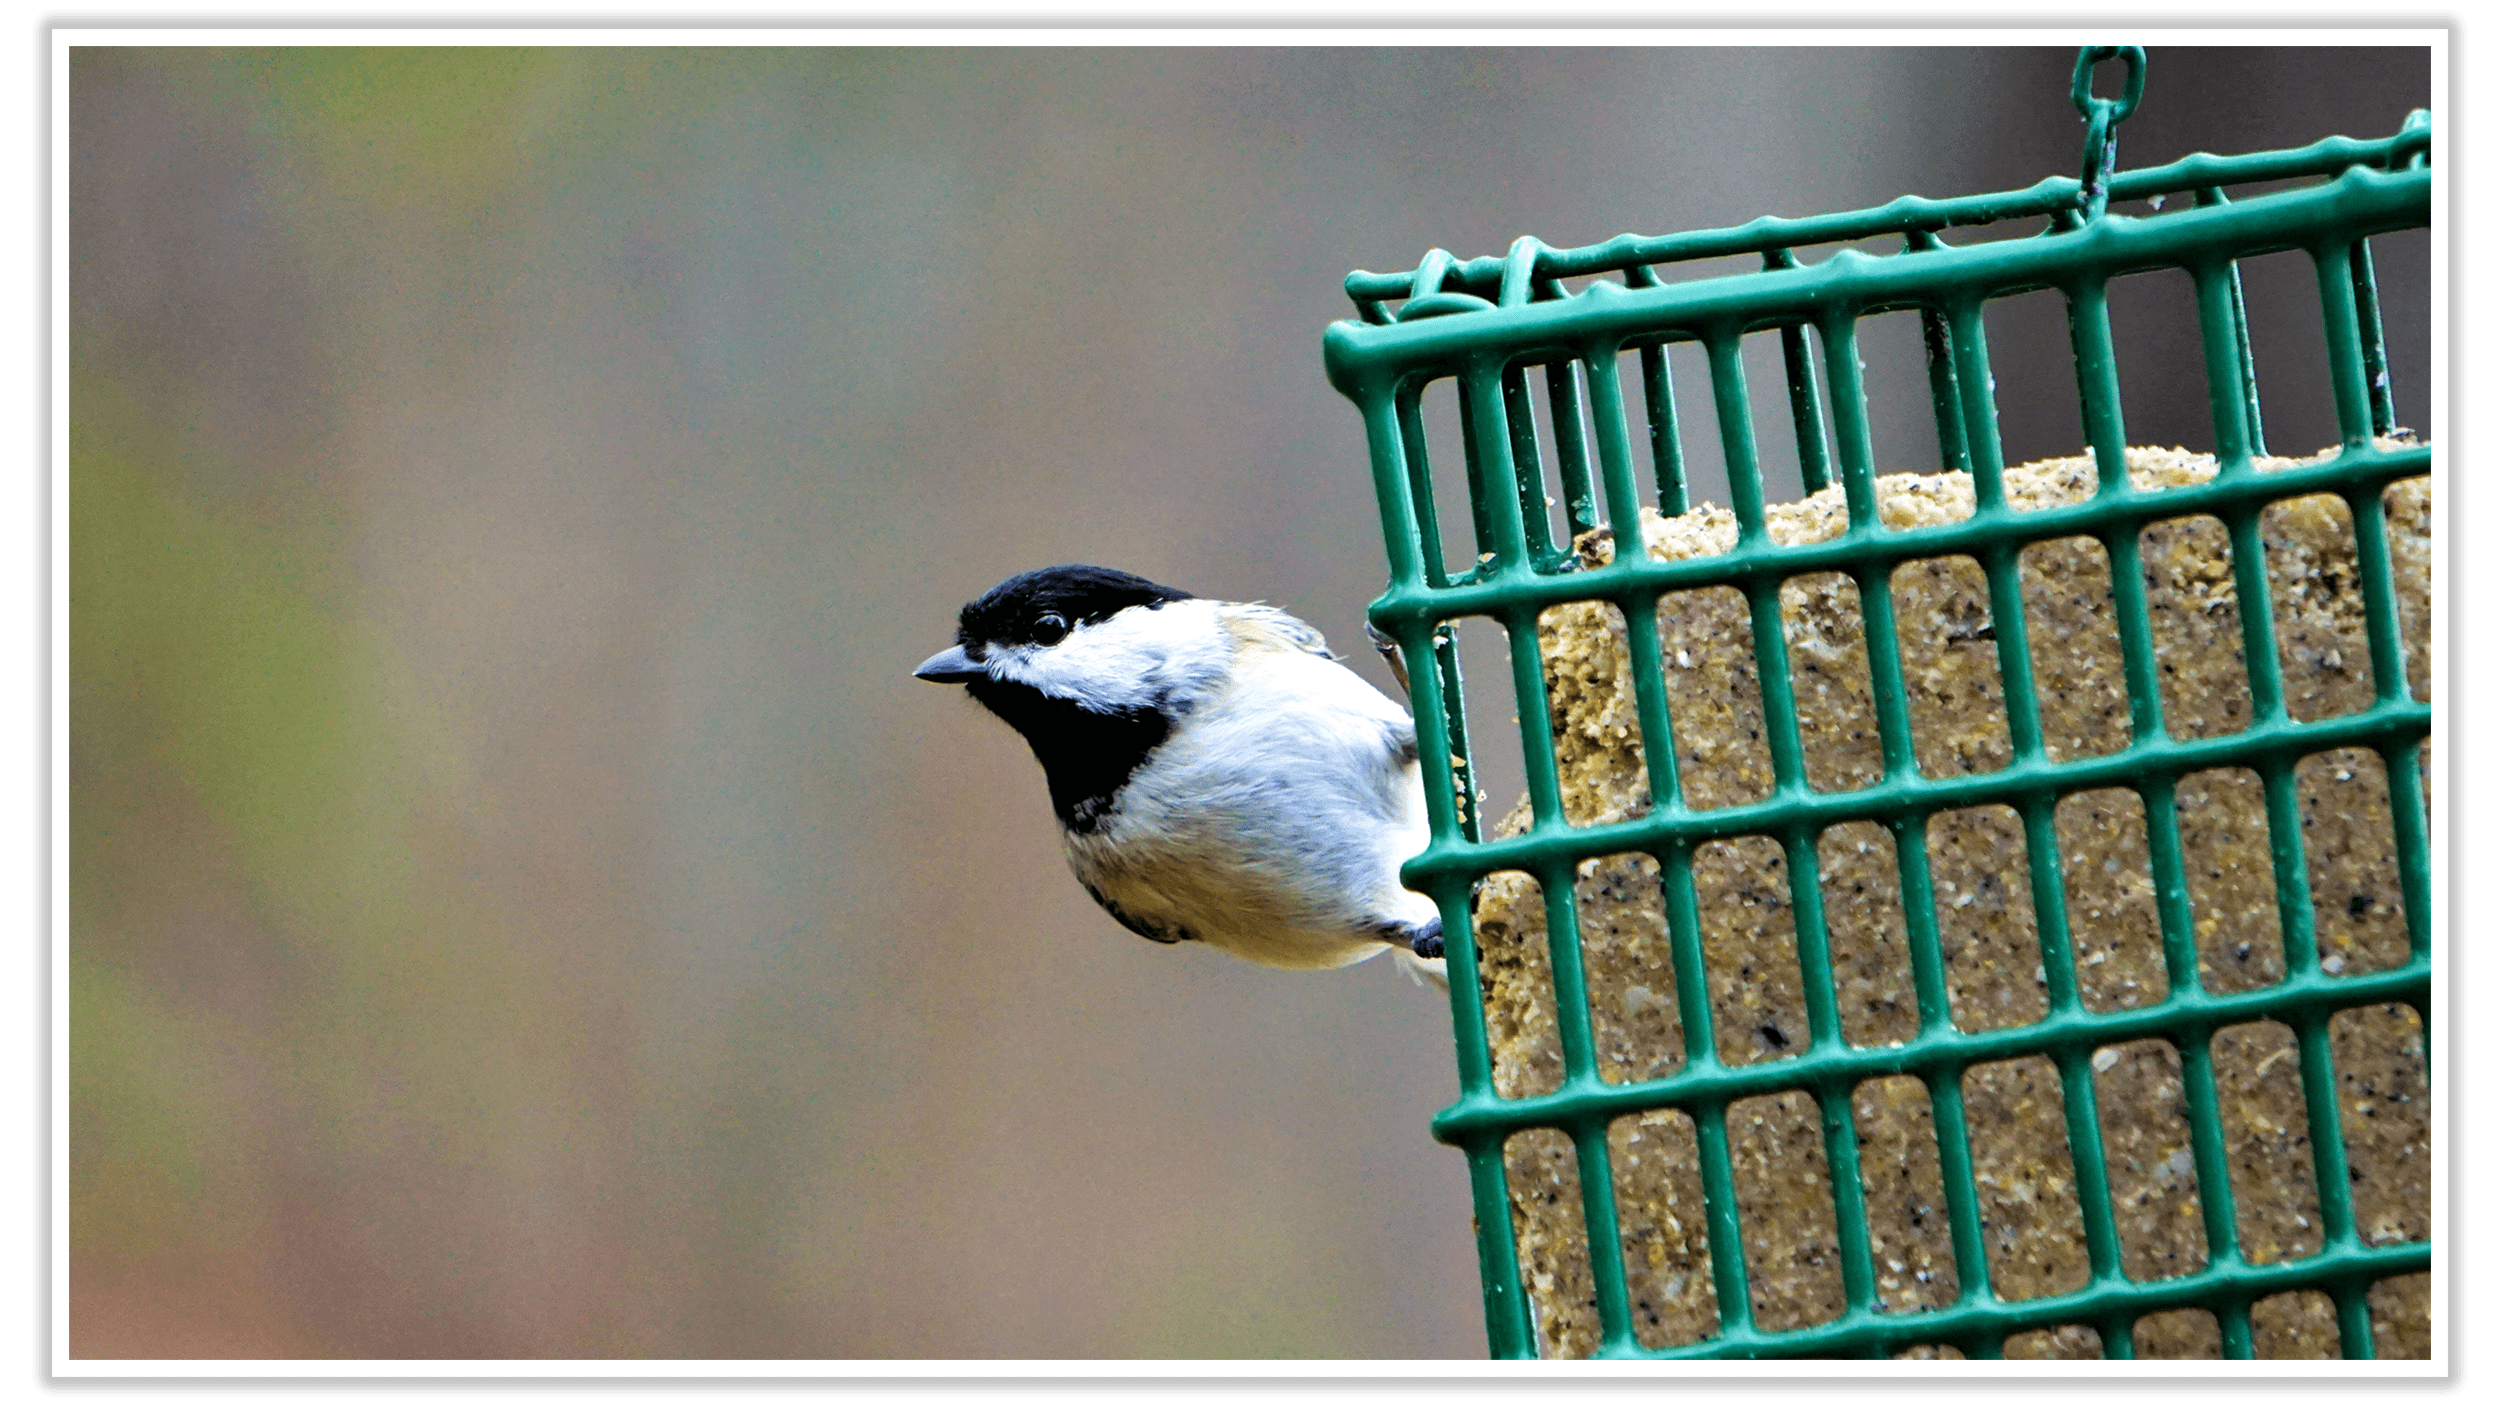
2022 1165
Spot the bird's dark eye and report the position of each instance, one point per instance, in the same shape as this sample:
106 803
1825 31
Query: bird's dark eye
1050 629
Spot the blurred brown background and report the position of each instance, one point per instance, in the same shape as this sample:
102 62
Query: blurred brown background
522 905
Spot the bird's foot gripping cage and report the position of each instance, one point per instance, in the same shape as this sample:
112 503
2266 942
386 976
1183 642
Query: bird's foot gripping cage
1485 325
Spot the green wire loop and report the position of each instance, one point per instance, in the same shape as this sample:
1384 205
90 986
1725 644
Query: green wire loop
2102 116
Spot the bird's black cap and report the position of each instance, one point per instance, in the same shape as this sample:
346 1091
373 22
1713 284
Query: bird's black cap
1086 751
1011 612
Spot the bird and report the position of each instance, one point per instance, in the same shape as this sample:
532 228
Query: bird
1218 776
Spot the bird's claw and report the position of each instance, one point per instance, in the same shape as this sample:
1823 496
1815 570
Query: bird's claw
1389 650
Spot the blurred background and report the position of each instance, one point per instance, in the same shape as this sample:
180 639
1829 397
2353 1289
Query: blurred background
521 903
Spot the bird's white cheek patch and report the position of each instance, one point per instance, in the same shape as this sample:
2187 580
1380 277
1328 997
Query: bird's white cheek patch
1138 658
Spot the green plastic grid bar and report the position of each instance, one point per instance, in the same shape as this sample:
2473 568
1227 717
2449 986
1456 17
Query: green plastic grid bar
1444 331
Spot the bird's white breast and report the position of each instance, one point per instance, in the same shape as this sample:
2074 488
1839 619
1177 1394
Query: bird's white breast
1274 819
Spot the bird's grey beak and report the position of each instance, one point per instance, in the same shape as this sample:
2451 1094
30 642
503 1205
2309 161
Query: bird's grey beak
950 666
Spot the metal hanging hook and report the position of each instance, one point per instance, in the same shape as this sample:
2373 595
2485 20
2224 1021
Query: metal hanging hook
2102 116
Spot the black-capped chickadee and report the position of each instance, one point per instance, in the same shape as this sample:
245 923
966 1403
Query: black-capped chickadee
1218 776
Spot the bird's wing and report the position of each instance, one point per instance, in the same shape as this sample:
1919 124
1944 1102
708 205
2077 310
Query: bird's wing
1259 626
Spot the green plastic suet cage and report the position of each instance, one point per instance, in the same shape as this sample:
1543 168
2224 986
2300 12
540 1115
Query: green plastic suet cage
1490 324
